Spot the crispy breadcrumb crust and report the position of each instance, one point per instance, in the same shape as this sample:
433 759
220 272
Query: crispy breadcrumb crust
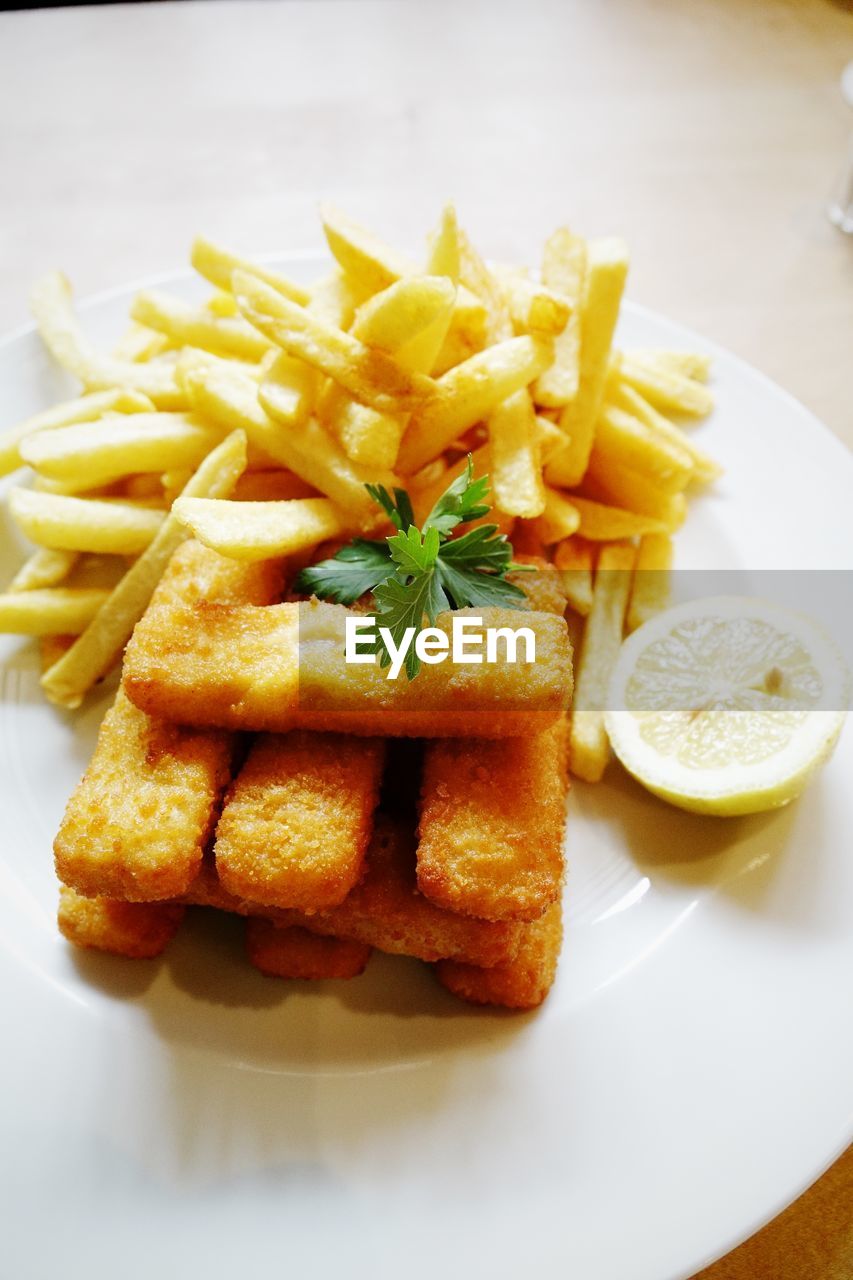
135 930
492 823
525 981
385 910
137 824
295 953
282 667
297 819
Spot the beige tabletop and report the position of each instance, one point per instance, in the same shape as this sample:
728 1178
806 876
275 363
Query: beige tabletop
708 132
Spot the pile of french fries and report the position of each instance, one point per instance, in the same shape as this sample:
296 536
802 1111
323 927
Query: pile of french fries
254 421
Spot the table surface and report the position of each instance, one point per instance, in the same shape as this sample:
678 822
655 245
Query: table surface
708 132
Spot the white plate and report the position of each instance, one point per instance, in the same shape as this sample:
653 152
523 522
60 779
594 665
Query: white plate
689 1075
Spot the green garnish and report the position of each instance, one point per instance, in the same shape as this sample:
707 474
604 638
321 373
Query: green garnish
417 573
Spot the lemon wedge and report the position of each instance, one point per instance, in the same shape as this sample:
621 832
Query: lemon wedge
726 705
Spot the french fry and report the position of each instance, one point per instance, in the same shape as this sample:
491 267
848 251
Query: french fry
607 267
390 319
63 337
373 264
533 307
46 567
516 469
563 270
476 276
560 518
622 439
261 530
689 364
85 409
186 325
370 376
667 389
68 681
611 482
221 303
551 438
96 453
288 391
620 394
574 557
335 298
84 524
409 320
602 523
310 453
468 393
271 486
443 256
293 952
589 749
650 586
139 343
218 266
50 611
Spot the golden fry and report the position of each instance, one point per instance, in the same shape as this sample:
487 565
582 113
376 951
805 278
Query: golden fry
260 530
604 281
84 524
186 325
218 266
84 409
574 558
44 568
650 587
467 394
93 654
368 375
589 749
516 468
63 337
50 611
564 270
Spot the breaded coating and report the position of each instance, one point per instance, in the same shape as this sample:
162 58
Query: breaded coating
297 819
525 981
137 824
282 667
282 952
137 930
541 583
384 910
492 822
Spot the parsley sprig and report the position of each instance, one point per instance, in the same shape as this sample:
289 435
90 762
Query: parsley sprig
417 573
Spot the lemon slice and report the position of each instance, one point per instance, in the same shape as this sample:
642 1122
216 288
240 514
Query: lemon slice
726 705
